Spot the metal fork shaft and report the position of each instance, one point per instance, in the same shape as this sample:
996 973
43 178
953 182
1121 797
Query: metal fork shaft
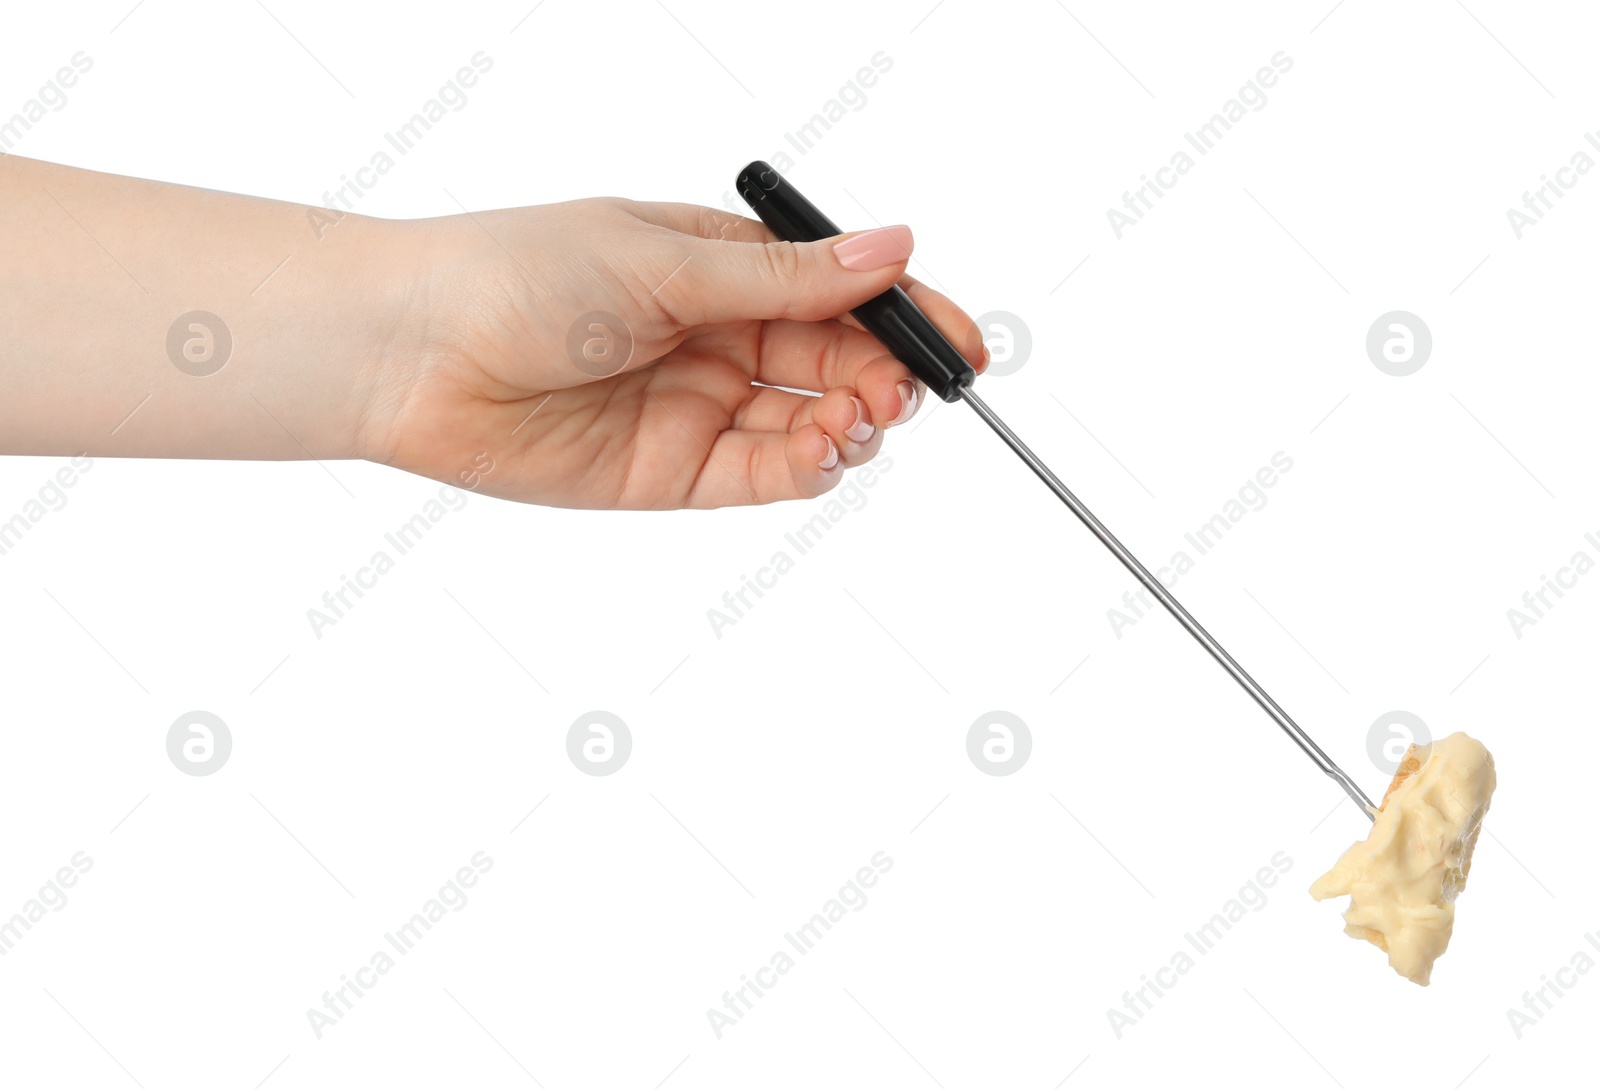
1163 595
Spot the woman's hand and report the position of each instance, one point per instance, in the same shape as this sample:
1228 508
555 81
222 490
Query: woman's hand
612 354
599 353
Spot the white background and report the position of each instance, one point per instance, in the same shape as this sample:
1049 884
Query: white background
830 722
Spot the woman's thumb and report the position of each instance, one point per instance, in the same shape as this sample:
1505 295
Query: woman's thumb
806 281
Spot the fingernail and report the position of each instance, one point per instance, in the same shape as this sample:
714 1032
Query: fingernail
862 429
987 358
874 249
908 402
831 458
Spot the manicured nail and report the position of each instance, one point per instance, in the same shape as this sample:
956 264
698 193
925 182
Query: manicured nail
862 429
830 459
987 358
874 249
908 402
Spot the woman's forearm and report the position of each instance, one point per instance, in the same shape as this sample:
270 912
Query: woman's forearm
141 319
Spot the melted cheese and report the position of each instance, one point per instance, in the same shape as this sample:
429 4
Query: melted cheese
1403 879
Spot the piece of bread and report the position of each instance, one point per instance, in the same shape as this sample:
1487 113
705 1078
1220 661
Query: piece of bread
1403 879
1409 765
1416 755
